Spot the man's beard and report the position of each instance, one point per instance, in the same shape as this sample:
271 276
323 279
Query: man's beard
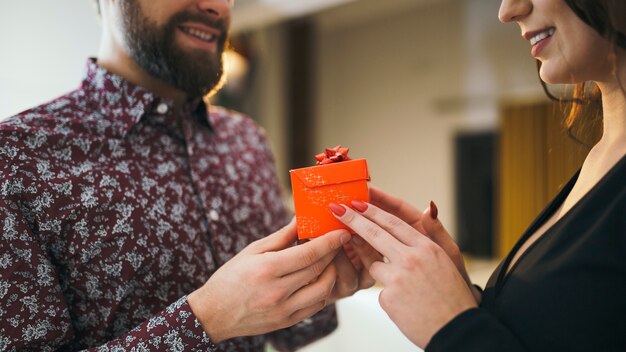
196 72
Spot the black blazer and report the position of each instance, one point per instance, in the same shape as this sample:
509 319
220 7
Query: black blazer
567 292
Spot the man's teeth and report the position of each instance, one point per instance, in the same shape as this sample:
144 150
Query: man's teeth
541 36
200 34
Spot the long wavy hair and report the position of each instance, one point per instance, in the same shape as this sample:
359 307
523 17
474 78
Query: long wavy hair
608 18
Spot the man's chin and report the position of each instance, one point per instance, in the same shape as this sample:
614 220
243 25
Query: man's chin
197 53
194 77
192 46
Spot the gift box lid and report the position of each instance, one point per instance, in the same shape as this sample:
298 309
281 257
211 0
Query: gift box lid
331 174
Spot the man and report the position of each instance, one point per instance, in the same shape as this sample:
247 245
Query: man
134 217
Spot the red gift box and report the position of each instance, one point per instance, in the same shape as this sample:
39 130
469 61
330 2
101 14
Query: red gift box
336 181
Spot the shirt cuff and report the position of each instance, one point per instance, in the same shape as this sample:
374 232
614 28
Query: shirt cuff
181 328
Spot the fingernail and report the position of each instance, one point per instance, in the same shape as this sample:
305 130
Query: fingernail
359 206
357 240
337 209
433 210
345 238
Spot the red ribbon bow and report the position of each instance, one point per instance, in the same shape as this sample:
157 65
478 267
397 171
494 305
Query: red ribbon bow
332 155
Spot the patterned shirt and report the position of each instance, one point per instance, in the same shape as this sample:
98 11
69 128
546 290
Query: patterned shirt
115 205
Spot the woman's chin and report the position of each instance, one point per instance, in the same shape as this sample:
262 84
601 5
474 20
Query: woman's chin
556 77
554 73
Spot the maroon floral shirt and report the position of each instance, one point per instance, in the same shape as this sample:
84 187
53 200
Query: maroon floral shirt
114 206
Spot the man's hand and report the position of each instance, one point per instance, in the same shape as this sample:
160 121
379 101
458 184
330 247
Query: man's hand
269 285
352 266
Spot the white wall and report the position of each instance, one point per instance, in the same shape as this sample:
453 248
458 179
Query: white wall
44 47
268 94
396 88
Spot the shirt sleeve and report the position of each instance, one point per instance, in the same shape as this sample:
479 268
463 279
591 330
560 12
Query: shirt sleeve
305 332
34 313
475 330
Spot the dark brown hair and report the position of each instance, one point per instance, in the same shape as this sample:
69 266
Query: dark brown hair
608 18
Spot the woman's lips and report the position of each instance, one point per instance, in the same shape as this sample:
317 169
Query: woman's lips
539 40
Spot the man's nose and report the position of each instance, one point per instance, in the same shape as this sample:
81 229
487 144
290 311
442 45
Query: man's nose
220 9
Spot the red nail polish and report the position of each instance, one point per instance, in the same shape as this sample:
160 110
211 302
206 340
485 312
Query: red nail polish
337 209
433 210
359 206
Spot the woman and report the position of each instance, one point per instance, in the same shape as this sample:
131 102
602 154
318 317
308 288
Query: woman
563 286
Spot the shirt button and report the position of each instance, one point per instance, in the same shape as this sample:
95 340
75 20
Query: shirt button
214 215
162 109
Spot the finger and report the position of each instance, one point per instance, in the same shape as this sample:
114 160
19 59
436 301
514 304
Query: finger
433 228
352 255
301 314
347 281
366 280
281 239
396 206
296 280
404 232
378 271
292 259
380 239
318 291
367 256
366 253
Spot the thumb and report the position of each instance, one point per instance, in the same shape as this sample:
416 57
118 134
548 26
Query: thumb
433 228
309 253
279 240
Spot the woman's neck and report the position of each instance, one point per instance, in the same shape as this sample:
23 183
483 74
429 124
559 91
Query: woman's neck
612 146
613 90
614 116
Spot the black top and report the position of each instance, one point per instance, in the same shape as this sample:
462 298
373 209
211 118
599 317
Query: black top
567 292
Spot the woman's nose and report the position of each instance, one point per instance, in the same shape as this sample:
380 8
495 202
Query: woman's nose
514 10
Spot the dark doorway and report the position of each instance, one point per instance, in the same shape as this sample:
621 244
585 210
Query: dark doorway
475 176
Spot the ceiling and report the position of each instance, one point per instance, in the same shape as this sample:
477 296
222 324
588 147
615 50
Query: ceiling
248 14
251 14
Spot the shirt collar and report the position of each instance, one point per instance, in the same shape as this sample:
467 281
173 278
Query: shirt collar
127 103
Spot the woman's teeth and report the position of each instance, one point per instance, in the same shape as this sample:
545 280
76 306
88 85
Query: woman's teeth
541 36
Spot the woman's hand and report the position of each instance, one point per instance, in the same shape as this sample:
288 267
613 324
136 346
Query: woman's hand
423 288
426 223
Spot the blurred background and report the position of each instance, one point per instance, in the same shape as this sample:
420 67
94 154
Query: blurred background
441 99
